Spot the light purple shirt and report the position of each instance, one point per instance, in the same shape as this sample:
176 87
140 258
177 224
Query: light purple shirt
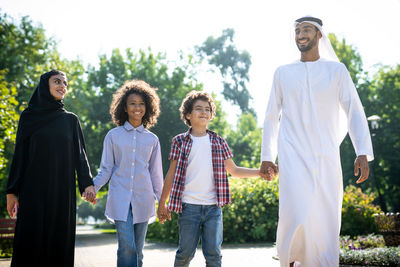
132 159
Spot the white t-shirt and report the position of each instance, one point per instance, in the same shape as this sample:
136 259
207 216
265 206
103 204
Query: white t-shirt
199 182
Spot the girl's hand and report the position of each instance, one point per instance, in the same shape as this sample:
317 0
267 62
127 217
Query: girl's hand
12 205
163 213
90 195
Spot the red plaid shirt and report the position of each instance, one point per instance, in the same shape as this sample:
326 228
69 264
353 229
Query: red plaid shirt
180 150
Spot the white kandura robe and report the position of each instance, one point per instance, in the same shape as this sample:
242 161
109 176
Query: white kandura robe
303 124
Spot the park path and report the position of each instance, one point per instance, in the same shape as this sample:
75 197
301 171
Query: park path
94 249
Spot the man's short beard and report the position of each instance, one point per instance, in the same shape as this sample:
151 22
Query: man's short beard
312 43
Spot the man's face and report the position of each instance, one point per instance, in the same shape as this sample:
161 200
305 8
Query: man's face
307 36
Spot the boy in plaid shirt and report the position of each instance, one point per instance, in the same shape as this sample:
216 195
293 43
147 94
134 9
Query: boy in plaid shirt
198 182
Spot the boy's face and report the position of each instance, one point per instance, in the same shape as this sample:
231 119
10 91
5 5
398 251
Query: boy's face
200 115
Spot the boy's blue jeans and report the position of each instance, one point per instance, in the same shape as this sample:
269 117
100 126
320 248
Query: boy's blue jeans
130 242
197 221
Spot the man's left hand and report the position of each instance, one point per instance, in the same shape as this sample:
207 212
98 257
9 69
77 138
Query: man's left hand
361 163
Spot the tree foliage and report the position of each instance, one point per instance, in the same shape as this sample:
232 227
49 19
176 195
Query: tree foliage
111 72
380 95
245 141
8 116
384 101
233 65
26 53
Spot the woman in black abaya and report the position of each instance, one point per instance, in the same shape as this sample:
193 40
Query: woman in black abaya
49 154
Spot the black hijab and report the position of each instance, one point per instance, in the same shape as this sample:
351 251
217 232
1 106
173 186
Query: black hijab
42 108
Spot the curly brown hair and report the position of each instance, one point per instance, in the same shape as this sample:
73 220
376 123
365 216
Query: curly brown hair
191 97
149 95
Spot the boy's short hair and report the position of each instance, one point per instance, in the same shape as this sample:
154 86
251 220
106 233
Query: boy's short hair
150 98
191 97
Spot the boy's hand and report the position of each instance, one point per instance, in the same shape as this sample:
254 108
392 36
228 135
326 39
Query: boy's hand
163 213
268 170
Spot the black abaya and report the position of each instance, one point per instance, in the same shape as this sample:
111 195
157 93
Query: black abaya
43 174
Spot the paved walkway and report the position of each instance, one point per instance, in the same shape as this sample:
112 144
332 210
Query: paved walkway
93 249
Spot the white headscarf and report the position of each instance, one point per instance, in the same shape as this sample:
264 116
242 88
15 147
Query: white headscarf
325 47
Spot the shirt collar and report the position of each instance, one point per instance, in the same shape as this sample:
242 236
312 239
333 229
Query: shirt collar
129 127
187 134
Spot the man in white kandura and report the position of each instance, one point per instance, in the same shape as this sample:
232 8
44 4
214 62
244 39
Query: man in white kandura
305 126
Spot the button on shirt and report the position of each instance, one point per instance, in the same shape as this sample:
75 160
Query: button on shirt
131 160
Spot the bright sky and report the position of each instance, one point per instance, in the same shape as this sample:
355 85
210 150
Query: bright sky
87 28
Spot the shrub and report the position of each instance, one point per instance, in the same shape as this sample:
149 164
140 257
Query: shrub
167 232
362 242
253 214
357 212
86 210
6 248
251 217
375 256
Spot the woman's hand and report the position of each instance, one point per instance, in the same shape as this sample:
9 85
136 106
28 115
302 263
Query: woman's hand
90 195
12 205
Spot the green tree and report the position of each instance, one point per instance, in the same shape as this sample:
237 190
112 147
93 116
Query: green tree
349 56
219 124
26 53
385 102
8 115
9 119
380 96
245 141
233 65
112 72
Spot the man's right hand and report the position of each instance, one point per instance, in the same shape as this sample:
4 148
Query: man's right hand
268 170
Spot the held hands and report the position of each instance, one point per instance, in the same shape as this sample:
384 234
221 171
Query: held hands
163 213
90 195
361 163
268 170
12 205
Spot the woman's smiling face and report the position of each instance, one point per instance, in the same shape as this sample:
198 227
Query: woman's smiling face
58 86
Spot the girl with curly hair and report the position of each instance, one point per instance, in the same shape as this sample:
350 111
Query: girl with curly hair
131 160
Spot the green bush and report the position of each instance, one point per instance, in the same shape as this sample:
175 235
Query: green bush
375 257
6 248
251 217
167 232
362 242
253 214
358 212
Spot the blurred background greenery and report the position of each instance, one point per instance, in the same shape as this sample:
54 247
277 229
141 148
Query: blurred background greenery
26 52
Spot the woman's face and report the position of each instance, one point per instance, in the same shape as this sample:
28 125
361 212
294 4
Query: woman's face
58 86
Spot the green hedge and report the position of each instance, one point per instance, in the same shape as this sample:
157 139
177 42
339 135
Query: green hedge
357 212
253 214
6 248
371 257
251 217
